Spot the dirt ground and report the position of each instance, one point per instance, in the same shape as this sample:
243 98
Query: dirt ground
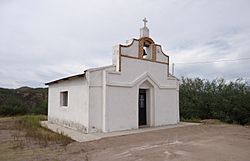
206 142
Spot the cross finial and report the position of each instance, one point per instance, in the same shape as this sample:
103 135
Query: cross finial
144 31
145 21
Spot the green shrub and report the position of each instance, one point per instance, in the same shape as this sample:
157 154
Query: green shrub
217 99
23 101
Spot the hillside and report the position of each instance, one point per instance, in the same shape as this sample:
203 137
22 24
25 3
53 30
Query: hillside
24 100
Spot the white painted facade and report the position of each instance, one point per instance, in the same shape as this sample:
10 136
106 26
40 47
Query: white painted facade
106 99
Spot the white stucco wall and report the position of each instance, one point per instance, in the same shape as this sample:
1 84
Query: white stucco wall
97 97
160 56
122 95
130 50
75 115
115 58
95 102
133 68
121 108
166 110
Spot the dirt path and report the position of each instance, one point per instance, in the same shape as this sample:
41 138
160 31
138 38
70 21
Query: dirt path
193 143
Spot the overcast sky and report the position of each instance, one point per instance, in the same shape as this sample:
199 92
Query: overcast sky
43 40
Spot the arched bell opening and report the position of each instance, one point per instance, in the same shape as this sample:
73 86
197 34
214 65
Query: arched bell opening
147 49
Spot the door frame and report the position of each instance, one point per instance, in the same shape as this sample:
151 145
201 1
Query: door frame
150 111
145 93
150 87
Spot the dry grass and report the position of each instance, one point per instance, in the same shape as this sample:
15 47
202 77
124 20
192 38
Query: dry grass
23 138
206 121
194 120
211 121
30 124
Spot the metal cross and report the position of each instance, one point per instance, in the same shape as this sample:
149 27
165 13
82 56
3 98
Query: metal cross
145 21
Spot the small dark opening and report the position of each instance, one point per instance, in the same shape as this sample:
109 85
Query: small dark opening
142 112
64 98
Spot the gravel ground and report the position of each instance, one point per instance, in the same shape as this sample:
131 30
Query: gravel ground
205 142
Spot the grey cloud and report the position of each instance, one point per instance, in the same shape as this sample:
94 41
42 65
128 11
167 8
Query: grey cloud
224 47
44 40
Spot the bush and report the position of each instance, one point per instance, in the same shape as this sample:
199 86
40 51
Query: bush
203 99
23 101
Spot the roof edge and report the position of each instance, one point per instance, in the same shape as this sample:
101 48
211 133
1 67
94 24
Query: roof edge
99 68
66 78
79 75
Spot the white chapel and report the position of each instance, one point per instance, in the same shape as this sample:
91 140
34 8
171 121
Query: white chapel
136 91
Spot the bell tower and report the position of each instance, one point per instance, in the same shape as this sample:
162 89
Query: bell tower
140 49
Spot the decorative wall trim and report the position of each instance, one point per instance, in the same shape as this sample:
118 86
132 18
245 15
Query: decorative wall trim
144 59
140 51
145 76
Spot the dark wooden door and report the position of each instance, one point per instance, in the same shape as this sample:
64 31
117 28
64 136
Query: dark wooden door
142 107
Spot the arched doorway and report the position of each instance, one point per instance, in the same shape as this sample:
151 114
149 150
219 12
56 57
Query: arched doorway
145 104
